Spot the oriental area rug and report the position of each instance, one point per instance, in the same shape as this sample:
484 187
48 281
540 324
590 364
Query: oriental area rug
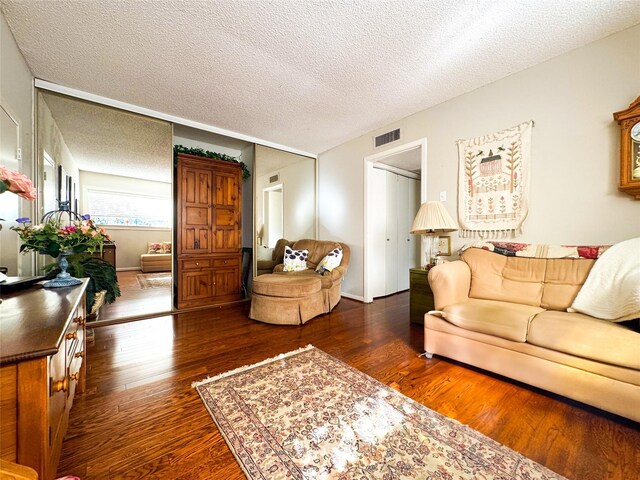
307 415
154 280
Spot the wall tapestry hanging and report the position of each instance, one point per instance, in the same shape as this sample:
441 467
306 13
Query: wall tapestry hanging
493 183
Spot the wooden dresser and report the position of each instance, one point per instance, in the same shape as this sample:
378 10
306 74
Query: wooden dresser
209 231
42 366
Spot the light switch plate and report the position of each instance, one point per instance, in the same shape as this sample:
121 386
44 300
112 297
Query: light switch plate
443 196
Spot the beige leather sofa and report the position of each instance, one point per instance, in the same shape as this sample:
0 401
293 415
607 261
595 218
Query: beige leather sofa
293 298
508 315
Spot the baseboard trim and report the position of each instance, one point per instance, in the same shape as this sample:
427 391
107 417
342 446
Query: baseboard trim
127 269
353 297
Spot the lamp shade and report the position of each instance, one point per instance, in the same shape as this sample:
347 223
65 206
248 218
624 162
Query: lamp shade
433 218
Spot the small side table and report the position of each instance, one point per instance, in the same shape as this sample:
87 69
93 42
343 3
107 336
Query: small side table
420 295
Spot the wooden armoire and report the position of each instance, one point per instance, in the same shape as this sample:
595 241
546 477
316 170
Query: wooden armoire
209 233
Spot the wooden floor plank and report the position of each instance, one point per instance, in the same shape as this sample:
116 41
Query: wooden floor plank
140 417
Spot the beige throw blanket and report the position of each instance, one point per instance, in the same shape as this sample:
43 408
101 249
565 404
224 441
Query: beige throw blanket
612 289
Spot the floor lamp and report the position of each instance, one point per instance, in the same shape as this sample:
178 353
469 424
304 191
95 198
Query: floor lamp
432 219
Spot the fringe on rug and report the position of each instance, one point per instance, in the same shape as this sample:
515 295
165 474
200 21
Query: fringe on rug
249 367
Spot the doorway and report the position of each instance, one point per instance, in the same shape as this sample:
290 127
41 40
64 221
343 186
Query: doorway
273 215
381 245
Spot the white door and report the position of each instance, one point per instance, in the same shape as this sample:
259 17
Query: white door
408 244
377 241
395 200
391 250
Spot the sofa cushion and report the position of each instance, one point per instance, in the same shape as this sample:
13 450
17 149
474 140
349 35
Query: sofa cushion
318 249
502 319
562 282
506 279
586 337
287 286
550 283
325 280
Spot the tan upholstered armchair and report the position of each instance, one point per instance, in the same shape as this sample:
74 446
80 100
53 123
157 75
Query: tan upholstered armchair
331 281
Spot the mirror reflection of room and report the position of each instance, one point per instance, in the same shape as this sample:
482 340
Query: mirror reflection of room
119 169
285 203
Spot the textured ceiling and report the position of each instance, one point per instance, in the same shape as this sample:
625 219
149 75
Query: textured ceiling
307 74
106 140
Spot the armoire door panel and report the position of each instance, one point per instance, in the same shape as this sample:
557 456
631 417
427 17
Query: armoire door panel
227 282
196 215
227 240
226 190
195 240
196 285
225 217
196 186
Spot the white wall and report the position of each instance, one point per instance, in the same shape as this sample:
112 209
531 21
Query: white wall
50 140
296 174
575 150
131 242
16 98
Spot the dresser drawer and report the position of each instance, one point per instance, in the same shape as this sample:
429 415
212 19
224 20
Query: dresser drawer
226 262
196 264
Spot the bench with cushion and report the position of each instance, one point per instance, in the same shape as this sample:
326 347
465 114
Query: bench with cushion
157 258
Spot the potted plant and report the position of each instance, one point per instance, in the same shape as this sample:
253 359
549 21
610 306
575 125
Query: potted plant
103 285
72 245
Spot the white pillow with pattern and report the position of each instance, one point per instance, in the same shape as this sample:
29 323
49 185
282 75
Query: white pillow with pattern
295 260
331 261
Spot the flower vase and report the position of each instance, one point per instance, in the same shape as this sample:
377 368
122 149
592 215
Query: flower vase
64 278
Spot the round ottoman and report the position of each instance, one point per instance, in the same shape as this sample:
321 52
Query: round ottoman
286 299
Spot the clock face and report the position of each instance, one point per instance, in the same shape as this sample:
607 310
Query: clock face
635 132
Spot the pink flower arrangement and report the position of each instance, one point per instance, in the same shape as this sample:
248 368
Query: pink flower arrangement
16 182
52 238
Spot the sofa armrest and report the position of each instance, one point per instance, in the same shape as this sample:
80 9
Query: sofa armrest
450 283
266 264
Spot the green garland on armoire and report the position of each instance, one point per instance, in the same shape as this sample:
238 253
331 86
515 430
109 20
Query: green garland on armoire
199 152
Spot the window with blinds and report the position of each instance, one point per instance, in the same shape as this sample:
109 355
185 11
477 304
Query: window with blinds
128 210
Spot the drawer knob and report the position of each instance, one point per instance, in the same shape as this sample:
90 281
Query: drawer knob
74 377
79 320
197 264
59 385
79 354
72 336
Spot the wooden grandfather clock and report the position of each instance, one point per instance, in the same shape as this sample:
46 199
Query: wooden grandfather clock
629 121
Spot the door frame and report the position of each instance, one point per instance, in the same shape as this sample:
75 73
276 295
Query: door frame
369 161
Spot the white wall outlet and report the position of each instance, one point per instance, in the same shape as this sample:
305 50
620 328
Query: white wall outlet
443 196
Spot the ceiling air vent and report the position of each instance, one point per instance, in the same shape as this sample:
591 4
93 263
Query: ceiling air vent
385 138
274 178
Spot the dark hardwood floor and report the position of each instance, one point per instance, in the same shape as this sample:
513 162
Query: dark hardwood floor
140 418
135 300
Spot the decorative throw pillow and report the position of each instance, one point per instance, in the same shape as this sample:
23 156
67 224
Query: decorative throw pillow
331 261
154 247
295 260
166 247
